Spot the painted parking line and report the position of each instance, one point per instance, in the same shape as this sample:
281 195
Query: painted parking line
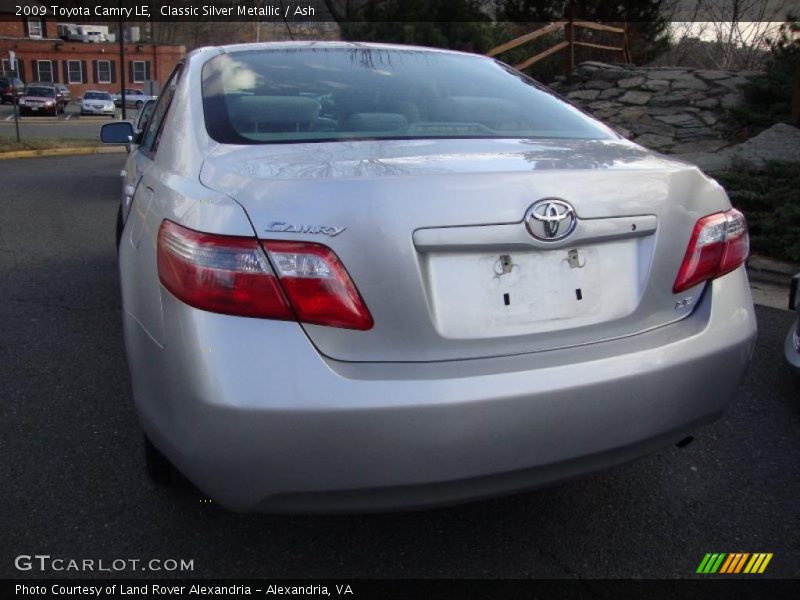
50 121
9 117
68 117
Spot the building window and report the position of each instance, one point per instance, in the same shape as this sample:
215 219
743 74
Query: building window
139 71
74 71
103 71
44 69
35 28
5 68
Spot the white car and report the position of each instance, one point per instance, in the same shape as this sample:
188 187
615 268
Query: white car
98 103
133 98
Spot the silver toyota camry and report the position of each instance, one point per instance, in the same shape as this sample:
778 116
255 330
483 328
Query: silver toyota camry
364 277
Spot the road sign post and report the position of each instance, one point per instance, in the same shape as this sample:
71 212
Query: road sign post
12 63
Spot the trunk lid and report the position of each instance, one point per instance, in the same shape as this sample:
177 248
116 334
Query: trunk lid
435 237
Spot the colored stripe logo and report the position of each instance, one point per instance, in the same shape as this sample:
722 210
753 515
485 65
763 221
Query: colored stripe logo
733 563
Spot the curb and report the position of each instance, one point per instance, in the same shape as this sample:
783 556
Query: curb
79 151
767 270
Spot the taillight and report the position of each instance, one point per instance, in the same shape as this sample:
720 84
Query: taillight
222 274
232 275
719 244
318 287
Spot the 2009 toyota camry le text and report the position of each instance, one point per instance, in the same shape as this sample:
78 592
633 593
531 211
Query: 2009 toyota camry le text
367 277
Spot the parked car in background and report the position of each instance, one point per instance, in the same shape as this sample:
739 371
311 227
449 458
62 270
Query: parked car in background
65 94
10 88
61 101
793 338
39 99
98 103
361 276
134 98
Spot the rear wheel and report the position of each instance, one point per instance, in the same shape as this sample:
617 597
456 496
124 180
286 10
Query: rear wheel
159 468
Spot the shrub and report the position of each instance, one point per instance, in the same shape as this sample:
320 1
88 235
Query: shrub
768 99
770 199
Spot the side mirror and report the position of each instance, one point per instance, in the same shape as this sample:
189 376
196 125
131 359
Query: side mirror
120 132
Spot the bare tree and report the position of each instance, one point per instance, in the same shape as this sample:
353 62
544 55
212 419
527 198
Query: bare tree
735 34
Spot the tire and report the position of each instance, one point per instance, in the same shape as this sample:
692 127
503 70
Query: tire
159 469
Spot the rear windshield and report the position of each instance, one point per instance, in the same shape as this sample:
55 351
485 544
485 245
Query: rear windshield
41 92
330 94
97 96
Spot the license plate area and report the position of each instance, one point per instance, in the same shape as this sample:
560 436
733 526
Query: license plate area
487 295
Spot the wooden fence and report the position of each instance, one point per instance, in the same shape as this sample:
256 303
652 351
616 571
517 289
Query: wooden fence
568 43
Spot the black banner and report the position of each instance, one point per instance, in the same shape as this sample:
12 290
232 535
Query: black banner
429 589
342 11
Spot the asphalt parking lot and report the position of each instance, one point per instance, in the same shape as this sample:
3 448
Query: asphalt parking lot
75 485
68 125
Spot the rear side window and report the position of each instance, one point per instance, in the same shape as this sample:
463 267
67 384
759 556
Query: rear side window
154 125
330 94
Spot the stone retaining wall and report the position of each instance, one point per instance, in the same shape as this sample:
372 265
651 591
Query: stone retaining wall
669 109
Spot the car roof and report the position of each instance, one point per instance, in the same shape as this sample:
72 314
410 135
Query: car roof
341 45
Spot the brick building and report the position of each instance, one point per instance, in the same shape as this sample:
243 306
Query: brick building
43 56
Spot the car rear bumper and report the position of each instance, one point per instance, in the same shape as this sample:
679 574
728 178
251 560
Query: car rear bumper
103 113
258 420
48 111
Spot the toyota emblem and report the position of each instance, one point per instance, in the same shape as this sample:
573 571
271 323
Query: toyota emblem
550 220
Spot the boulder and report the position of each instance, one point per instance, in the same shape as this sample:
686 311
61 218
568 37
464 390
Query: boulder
679 120
706 102
602 105
688 106
635 97
655 85
689 82
648 124
652 140
712 75
699 146
665 73
630 82
611 93
583 94
670 100
598 84
780 142
707 161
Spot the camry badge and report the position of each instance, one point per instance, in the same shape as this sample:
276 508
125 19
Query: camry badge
283 227
551 220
